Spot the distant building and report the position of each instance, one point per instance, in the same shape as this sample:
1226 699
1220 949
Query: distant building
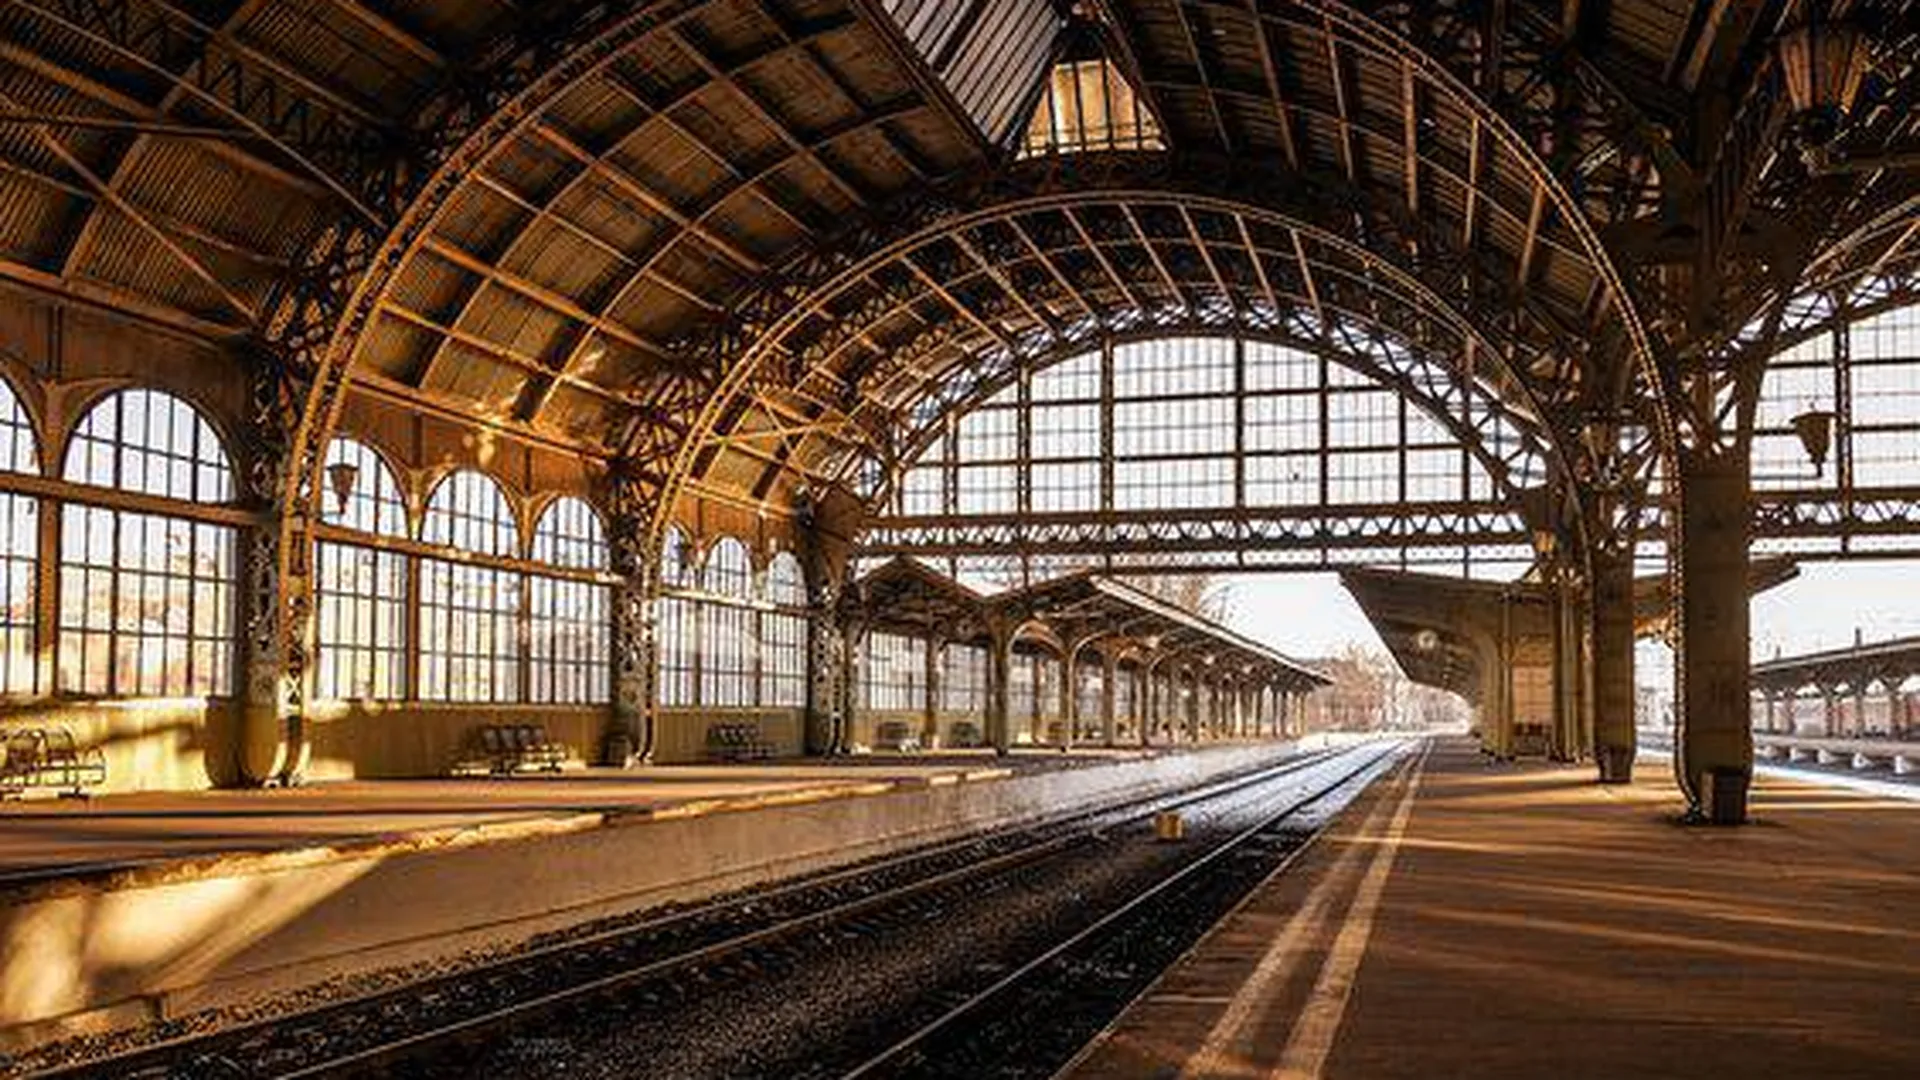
1370 694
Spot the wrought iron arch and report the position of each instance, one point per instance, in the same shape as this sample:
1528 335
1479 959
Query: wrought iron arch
796 322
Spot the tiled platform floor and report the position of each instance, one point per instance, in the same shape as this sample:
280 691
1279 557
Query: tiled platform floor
1468 919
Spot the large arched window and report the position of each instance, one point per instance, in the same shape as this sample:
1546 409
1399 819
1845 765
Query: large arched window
1225 439
963 680
893 676
675 625
146 600
783 636
729 650
361 591
570 636
19 550
1089 693
1024 694
469 612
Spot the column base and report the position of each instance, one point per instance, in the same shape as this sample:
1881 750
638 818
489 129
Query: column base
1616 764
1723 797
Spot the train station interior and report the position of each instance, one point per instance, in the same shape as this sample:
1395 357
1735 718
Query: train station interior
524 518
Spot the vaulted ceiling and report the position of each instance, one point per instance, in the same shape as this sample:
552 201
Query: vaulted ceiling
741 240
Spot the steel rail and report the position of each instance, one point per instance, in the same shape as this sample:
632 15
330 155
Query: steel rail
1083 824
893 1055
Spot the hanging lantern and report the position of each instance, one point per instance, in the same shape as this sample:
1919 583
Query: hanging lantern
341 476
1815 428
1824 64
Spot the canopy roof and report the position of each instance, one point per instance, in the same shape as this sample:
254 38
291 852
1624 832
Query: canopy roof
1073 611
1889 663
1444 631
740 242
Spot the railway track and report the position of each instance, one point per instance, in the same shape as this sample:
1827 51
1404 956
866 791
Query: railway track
379 1031
1035 1018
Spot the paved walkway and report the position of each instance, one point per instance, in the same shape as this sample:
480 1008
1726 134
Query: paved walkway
1474 920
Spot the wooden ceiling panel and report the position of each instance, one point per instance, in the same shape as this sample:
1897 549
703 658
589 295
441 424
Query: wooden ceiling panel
740 469
37 220
672 166
577 414
654 310
596 113
612 214
398 348
534 165
697 269
929 137
432 286
471 374
551 255
866 63
658 70
129 257
733 27
519 323
807 196
732 133
350 56
866 157
607 362
484 221
180 182
797 93
59 48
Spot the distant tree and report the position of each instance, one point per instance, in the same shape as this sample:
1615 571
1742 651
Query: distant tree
1205 595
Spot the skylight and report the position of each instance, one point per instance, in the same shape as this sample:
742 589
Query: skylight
1088 105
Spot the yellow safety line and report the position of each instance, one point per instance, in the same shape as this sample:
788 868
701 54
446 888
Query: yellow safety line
1217 1057
1314 1032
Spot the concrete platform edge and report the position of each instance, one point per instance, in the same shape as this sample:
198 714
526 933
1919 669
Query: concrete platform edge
150 943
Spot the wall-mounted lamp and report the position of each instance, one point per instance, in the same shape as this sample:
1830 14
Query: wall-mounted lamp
341 476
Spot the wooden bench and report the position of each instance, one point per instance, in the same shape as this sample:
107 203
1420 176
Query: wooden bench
37 758
964 735
734 740
898 736
503 749
1531 740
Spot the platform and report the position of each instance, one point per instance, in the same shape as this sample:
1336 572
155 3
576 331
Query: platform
1474 919
58 838
131 908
